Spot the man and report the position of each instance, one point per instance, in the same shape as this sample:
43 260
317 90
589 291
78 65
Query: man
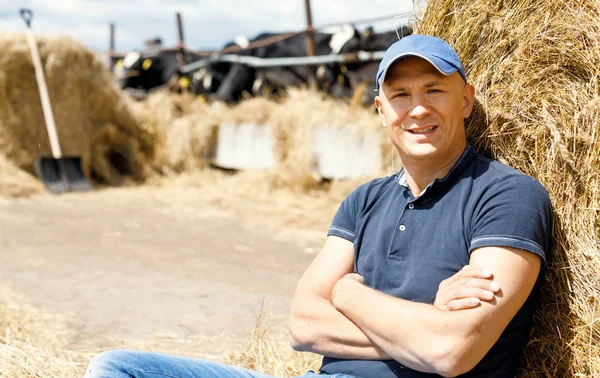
366 301
404 285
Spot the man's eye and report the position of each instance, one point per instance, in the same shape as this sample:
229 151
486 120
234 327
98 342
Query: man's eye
434 90
400 94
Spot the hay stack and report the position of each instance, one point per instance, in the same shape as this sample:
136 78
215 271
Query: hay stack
93 118
536 67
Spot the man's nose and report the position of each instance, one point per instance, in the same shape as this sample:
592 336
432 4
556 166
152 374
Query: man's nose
419 111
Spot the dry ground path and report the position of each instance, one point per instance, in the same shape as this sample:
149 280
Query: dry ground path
151 267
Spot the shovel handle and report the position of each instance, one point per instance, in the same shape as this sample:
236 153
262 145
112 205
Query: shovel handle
41 82
27 15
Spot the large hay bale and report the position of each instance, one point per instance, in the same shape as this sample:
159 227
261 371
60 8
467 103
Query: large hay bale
84 101
536 67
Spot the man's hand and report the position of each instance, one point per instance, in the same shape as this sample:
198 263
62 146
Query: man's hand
466 289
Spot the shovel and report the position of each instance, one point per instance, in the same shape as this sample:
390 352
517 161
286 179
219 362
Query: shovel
59 174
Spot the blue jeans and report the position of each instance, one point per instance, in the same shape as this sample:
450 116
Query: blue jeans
141 364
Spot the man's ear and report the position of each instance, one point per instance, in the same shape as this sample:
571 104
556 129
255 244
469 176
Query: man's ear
378 105
468 100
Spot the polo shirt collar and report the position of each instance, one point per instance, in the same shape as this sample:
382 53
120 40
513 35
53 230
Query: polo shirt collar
459 167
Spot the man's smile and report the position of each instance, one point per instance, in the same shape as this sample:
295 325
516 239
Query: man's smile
422 130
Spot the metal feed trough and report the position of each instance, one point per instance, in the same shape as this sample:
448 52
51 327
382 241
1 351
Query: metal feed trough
245 146
341 154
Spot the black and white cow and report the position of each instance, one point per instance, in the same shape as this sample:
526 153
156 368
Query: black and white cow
374 41
358 79
207 80
230 82
268 80
152 68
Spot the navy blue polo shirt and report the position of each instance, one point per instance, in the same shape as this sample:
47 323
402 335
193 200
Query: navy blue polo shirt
405 246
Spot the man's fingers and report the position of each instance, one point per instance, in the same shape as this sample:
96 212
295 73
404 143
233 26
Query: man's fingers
469 272
460 283
463 304
484 284
476 283
466 289
473 292
462 292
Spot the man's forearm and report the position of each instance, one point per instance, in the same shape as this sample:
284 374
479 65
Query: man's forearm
324 330
417 335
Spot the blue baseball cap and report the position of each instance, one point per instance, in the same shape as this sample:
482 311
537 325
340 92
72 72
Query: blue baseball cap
434 50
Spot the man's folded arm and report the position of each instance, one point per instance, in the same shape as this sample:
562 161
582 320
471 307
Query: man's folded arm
315 325
449 343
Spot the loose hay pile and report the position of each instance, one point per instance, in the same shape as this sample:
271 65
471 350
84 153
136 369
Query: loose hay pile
32 342
94 120
186 130
536 67
294 119
15 182
189 131
269 355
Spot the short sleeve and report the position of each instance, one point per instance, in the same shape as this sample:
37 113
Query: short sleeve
344 221
514 212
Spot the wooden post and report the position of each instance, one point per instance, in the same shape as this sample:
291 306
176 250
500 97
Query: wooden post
310 38
111 44
181 39
180 29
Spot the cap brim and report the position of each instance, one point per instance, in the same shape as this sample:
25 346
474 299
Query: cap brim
441 65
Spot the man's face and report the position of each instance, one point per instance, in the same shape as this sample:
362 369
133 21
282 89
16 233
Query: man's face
424 110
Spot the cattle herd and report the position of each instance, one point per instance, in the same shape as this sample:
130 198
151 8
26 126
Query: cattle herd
218 79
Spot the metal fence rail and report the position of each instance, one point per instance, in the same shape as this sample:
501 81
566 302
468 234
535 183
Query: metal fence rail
408 17
360 56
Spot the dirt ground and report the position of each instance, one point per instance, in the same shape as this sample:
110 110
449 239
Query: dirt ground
157 267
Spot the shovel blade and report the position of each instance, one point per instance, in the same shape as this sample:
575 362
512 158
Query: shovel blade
62 175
